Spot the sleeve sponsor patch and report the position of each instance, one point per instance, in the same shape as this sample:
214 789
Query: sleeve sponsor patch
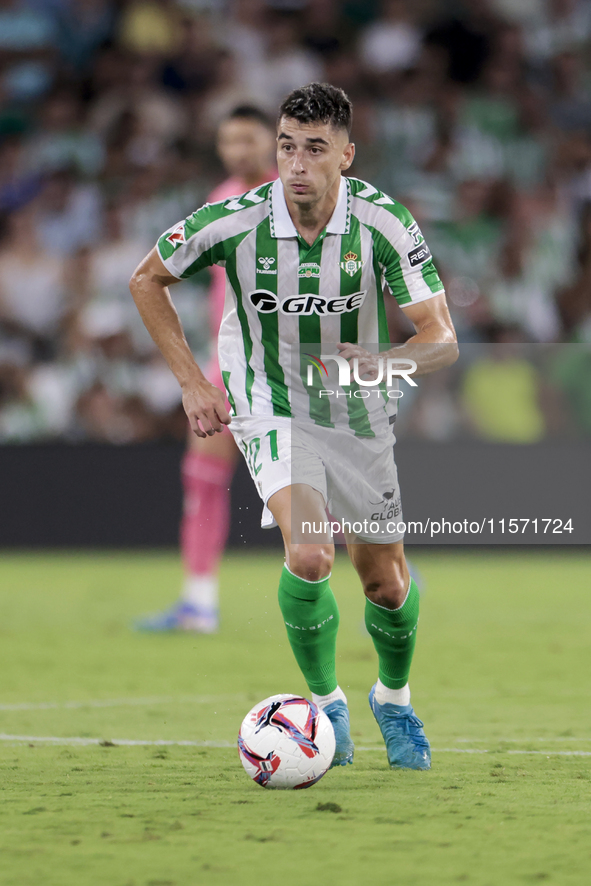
177 235
419 255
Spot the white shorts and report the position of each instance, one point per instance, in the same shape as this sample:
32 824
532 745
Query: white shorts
356 476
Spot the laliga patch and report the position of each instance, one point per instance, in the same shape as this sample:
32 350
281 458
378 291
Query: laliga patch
177 235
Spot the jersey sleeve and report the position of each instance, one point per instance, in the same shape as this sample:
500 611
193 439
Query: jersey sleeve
399 246
194 243
407 263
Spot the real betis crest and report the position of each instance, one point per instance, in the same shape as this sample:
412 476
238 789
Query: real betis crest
350 264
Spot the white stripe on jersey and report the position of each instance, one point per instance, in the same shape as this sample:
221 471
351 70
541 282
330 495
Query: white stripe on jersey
246 270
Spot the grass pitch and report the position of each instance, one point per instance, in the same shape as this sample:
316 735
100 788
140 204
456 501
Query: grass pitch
501 678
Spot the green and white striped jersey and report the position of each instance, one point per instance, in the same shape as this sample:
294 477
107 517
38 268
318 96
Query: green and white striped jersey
285 298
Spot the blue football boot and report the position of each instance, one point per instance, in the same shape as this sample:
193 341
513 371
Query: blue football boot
338 714
406 743
181 617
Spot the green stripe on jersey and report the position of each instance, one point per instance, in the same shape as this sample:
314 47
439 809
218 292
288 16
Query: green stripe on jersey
310 329
246 338
384 332
216 254
350 283
266 272
226 379
387 255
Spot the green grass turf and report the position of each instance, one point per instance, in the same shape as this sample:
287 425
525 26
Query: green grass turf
502 665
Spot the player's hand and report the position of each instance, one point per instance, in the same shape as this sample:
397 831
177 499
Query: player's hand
368 363
205 408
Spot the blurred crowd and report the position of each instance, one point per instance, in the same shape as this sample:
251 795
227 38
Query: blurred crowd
475 114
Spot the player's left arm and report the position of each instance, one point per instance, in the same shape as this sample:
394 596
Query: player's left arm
434 344
415 284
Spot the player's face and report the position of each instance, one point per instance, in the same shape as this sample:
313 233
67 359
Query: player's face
311 157
245 147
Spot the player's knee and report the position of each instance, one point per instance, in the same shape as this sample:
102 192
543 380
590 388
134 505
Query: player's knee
389 593
312 562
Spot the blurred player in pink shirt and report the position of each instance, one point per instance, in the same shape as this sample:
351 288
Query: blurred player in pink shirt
246 146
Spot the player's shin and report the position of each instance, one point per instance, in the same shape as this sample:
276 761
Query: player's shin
311 618
394 632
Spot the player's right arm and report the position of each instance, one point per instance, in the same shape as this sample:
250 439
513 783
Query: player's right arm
202 401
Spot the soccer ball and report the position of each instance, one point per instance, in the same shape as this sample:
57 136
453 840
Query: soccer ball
286 742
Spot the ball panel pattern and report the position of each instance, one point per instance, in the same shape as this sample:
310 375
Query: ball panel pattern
286 742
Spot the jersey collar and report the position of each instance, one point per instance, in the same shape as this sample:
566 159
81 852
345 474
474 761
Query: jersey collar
282 225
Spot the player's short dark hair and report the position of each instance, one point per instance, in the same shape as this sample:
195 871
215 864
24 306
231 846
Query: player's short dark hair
318 103
250 112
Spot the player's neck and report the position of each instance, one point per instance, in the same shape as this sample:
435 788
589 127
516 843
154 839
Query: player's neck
311 218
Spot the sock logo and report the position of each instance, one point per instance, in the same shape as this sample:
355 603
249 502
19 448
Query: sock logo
310 627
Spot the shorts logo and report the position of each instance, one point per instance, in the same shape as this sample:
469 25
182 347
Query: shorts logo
390 506
419 255
309 269
266 266
350 264
177 235
267 302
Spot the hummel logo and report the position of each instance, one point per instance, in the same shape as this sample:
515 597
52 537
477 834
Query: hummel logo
266 262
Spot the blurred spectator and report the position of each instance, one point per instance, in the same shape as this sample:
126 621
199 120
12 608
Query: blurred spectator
33 291
157 196
136 115
62 140
84 26
570 107
19 418
36 401
17 185
465 38
150 26
574 301
192 67
28 39
466 250
286 63
69 214
326 31
105 280
106 417
536 259
558 25
391 42
225 93
242 33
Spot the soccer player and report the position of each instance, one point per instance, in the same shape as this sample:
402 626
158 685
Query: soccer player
332 241
245 144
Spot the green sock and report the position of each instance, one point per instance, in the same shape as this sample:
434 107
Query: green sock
394 633
311 617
